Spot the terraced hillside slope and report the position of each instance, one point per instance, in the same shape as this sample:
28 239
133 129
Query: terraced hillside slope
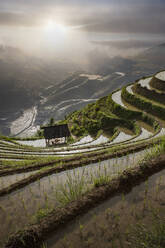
131 109
23 78
40 89
48 187
103 76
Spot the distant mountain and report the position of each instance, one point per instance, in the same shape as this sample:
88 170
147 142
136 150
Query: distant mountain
77 91
23 77
22 80
151 60
80 88
27 81
157 51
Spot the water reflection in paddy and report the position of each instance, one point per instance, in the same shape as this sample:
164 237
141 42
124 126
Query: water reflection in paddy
6 181
113 218
27 201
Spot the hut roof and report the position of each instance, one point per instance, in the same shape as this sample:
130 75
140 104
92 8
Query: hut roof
57 131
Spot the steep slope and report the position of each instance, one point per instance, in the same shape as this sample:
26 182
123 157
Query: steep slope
26 82
22 78
75 92
105 76
151 60
110 112
122 135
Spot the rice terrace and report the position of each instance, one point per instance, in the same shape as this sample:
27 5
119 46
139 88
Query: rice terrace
104 188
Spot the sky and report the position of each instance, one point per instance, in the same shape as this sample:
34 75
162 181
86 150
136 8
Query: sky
72 28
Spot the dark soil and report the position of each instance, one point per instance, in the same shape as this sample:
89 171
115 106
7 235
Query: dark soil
68 164
35 234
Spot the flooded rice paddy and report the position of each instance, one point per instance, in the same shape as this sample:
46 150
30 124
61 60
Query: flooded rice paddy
34 143
116 97
145 82
21 207
121 138
129 89
161 75
27 201
24 125
144 135
117 222
82 141
6 181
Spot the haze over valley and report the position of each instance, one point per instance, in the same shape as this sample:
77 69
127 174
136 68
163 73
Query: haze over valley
56 88
49 49
82 123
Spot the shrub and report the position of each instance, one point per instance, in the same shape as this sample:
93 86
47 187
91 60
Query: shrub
143 104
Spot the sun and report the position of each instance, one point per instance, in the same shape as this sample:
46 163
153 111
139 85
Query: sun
54 27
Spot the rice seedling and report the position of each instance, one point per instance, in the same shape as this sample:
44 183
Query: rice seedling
101 178
76 183
154 151
41 213
44 245
72 189
154 238
107 230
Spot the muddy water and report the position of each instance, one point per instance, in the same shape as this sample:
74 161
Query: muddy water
122 137
129 89
144 135
18 208
42 143
24 125
35 143
6 181
26 153
97 226
145 82
116 97
83 141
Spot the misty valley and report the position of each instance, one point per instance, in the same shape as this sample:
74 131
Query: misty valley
58 90
82 124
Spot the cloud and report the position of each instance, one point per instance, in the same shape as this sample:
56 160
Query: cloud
95 16
139 19
18 19
127 44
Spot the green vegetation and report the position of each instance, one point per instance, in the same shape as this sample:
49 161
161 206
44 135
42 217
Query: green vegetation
144 105
69 196
124 225
61 186
157 84
106 115
8 139
141 236
98 116
76 186
155 151
73 188
130 114
150 94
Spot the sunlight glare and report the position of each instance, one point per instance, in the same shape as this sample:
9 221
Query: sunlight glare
54 27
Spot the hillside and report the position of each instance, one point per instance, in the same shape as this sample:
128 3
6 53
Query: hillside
106 75
116 152
122 110
22 80
46 86
27 76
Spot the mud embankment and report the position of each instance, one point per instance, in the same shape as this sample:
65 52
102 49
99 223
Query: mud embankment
33 235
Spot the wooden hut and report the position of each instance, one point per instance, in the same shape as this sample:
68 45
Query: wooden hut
56 134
